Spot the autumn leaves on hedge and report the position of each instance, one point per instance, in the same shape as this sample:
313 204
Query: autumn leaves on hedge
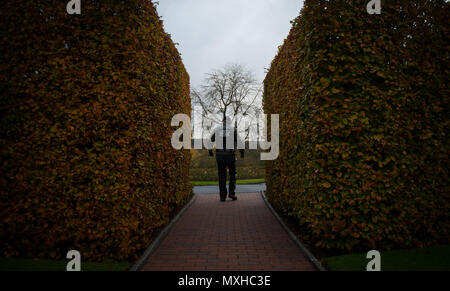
86 105
363 104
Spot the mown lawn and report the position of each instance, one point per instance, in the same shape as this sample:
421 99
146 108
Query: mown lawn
428 259
14 264
247 181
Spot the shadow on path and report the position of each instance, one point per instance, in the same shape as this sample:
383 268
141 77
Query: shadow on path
249 188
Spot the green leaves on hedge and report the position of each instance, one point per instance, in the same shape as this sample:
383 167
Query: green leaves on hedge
364 122
86 157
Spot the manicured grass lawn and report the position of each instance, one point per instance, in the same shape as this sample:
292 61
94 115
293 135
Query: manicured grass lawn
13 264
429 259
250 181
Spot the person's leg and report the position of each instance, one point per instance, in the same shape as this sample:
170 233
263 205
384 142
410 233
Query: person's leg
232 169
221 165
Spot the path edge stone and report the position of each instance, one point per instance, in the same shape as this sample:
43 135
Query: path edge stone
162 235
314 261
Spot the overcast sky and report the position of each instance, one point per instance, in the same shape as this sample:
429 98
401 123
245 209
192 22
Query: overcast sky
213 33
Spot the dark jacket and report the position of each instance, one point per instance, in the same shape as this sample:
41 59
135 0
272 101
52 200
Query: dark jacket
226 153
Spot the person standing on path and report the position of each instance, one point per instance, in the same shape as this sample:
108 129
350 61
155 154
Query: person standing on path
227 140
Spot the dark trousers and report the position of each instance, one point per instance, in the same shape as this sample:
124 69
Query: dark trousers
223 165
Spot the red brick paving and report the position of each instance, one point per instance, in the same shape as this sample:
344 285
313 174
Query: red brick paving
232 236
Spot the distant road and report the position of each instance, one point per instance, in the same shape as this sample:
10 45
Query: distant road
252 188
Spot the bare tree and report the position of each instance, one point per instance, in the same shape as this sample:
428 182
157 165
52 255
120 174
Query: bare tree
232 90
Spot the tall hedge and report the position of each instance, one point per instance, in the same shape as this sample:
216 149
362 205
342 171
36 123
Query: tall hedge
363 104
86 104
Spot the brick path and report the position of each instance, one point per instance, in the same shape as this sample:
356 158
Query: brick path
231 236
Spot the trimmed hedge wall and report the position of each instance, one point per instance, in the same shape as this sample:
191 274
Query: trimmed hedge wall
363 104
86 102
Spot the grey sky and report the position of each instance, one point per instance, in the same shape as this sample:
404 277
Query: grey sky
212 33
